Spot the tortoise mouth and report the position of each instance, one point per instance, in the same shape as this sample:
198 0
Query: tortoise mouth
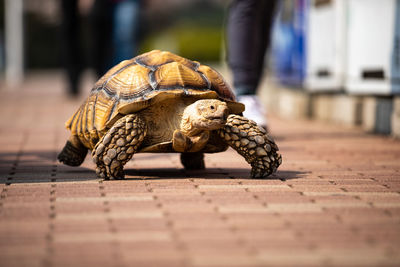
215 123
222 117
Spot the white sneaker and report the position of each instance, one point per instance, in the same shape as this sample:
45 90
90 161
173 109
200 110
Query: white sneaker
254 109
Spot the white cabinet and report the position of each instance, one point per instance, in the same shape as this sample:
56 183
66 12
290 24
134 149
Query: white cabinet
371 47
326 45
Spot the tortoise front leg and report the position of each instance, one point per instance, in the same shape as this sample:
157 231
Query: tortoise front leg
117 146
253 143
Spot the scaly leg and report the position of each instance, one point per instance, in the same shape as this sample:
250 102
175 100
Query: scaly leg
118 145
193 161
253 143
73 153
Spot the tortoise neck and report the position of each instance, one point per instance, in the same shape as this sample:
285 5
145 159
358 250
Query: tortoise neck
186 125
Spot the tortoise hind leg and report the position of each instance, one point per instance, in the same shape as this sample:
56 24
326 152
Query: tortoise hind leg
73 153
193 161
117 146
253 143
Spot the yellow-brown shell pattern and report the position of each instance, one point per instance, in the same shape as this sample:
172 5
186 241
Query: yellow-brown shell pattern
132 84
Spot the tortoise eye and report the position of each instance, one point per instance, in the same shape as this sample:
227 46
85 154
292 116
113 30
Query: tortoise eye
212 107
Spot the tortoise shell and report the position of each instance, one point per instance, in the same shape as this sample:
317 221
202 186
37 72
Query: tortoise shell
145 80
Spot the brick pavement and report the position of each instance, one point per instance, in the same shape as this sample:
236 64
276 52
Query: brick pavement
335 200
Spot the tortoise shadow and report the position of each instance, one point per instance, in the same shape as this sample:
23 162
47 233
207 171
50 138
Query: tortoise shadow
208 173
41 166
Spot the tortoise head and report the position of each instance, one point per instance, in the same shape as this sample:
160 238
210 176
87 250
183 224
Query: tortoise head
204 114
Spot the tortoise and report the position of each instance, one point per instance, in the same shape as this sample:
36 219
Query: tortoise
161 102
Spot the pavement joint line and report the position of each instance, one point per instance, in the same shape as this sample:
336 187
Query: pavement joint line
105 198
123 236
387 213
112 229
386 205
224 218
3 195
241 241
47 258
339 218
271 208
292 207
61 181
251 249
345 205
242 186
355 194
337 257
180 245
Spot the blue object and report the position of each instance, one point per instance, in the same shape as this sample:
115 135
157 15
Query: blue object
396 52
125 28
288 43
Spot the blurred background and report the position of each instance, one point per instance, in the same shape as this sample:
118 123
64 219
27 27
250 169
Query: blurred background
331 60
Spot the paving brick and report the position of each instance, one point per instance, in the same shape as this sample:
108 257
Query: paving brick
84 226
365 188
140 224
98 237
213 234
322 257
266 197
316 188
195 223
102 215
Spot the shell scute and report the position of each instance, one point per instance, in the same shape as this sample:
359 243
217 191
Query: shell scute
175 75
218 83
131 82
155 58
112 72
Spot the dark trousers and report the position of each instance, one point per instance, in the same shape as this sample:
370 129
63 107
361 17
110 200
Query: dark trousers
74 54
248 35
71 43
101 25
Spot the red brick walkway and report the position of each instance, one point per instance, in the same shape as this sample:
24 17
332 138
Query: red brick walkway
335 201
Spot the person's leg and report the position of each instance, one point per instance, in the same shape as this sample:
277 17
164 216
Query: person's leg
241 40
101 32
126 20
265 22
70 44
248 32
